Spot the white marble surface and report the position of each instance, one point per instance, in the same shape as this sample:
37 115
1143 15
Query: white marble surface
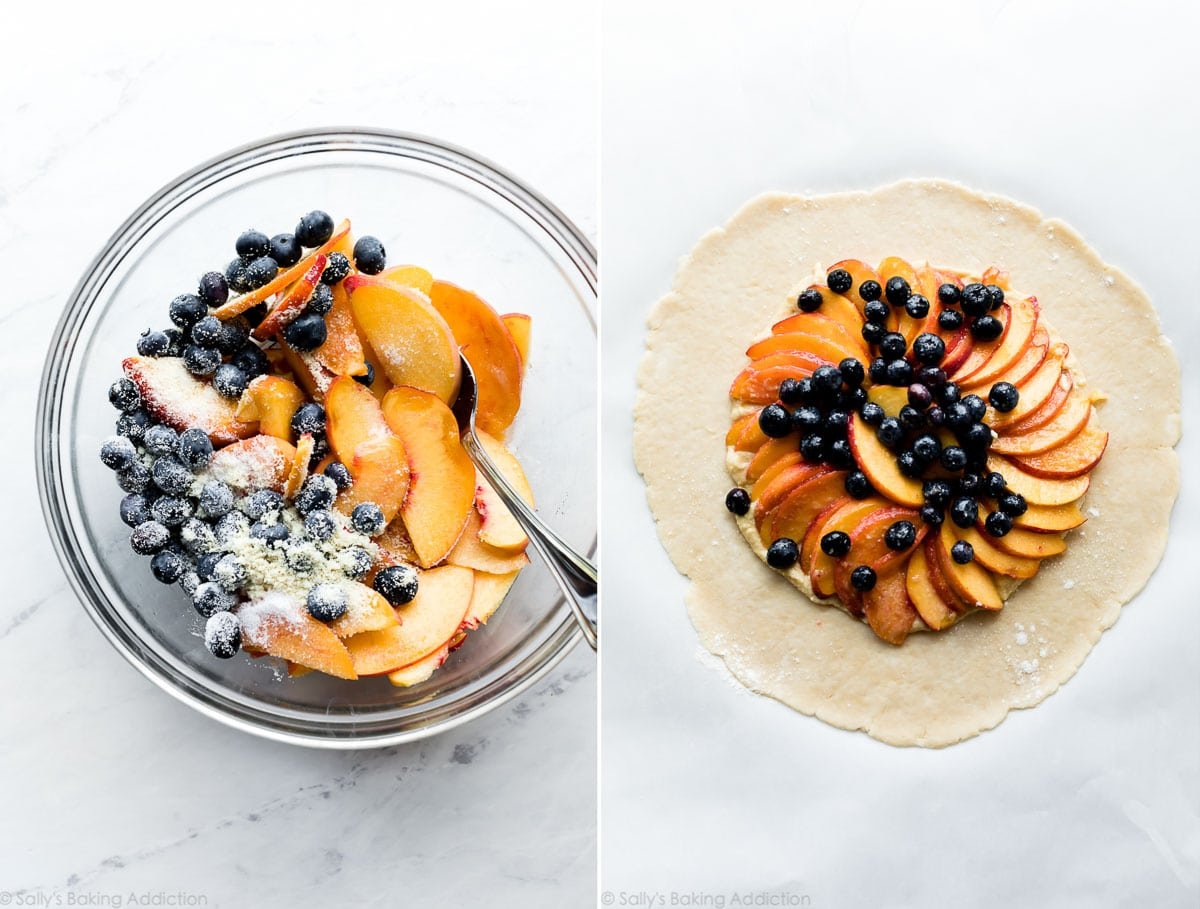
1092 798
107 786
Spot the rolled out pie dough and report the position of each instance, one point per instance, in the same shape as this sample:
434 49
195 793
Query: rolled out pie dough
938 688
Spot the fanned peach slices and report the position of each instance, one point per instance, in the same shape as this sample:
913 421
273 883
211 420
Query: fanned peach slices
290 458
911 443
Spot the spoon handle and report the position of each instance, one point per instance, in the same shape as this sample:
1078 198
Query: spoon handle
575 575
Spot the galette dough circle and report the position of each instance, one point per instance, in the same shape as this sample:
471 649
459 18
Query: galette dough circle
936 689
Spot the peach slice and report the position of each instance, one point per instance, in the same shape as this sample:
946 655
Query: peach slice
1070 459
395 548
342 353
299 469
752 438
1037 389
520 326
971 582
994 559
1069 423
834 307
859 271
769 453
366 610
899 320
924 595
314 378
288 276
1022 319
815 323
276 625
426 624
789 460
272 401
352 416
490 591
1027 544
1050 518
422 669
289 308
983 352
879 464
441 490
172 395
471 552
489 348
890 397
1037 490
1047 412
867 547
759 382
498 527
958 348
819 346
260 462
889 611
1019 373
928 282
736 427
413 276
845 518
414 344
381 475
781 486
938 579
792 517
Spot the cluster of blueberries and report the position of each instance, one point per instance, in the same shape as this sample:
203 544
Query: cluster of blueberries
819 408
184 533
223 351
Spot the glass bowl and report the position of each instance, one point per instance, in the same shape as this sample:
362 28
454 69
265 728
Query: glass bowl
431 204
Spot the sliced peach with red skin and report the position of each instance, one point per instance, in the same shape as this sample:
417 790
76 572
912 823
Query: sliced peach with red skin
272 401
995 559
752 438
293 302
427 623
1050 518
1068 424
1027 544
490 591
471 552
859 272
899 320
260 462
489 348
1020 371
938 578
958 348
815 323
1037 389
413 276
295 636
342 353
759 382
770 453
498 527
879 464
737 426
1020 324
520 326
983 352
868 547
352 416
299 469
833 306
381 474
172 395
441 490
928 282
1049 410
314 378
823 347
413 342
972 582
888 609
1070 459
782 485
767 478
422 669
810 543
931 607
792 517
366 611
819 565
1038 490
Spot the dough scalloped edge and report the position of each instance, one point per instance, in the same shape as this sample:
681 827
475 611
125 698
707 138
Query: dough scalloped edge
816 659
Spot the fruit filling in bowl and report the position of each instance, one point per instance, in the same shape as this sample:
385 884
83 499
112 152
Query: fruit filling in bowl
289 457
910 444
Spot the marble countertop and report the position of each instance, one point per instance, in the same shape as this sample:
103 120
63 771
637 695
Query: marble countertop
110 787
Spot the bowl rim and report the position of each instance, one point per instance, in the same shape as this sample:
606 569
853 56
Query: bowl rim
53 494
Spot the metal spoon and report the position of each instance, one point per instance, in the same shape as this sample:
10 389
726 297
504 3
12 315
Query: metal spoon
576 576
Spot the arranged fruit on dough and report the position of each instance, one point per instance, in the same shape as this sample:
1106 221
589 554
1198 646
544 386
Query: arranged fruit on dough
290 460
911 444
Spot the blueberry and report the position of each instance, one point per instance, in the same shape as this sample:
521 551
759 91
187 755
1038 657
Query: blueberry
872 414
998 523
309 418
314 229
975 405
826 380
852 372
977 436
171 476
911 417
857 485
900 535
958 416
917 306
935 415
932 377
919 395
172 511
300 558
962 552
839 454
964 511
929 348
134 509
810 300
320 525
231 525
188 582
877 311
337 267
368 377
782 553
893 345
950 320
910 465
317 492
235 276
251 360
367 518
995 295
251 244
936 493
197 536
168 567
899 372
117 452
970 484
230 573
194 448
211 598
207 564
932 515
270 533
948 394
737 500
285 250
807 418
260 503
1004 396
975 300
994 484
340 475
159 439
835 544
854 398
149 537
213 289
897 291
878 369
870 290
326 602
321 300
153 343
890 432
863 577
873 332
949 294
230 381
261 271
790 391
306 332
223 635
186 310
1013 504
927 448
836 422
369 256
201 361
135 478
953 458
124 395
398 584
207 332
812 447
356 562
987 328
839 281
